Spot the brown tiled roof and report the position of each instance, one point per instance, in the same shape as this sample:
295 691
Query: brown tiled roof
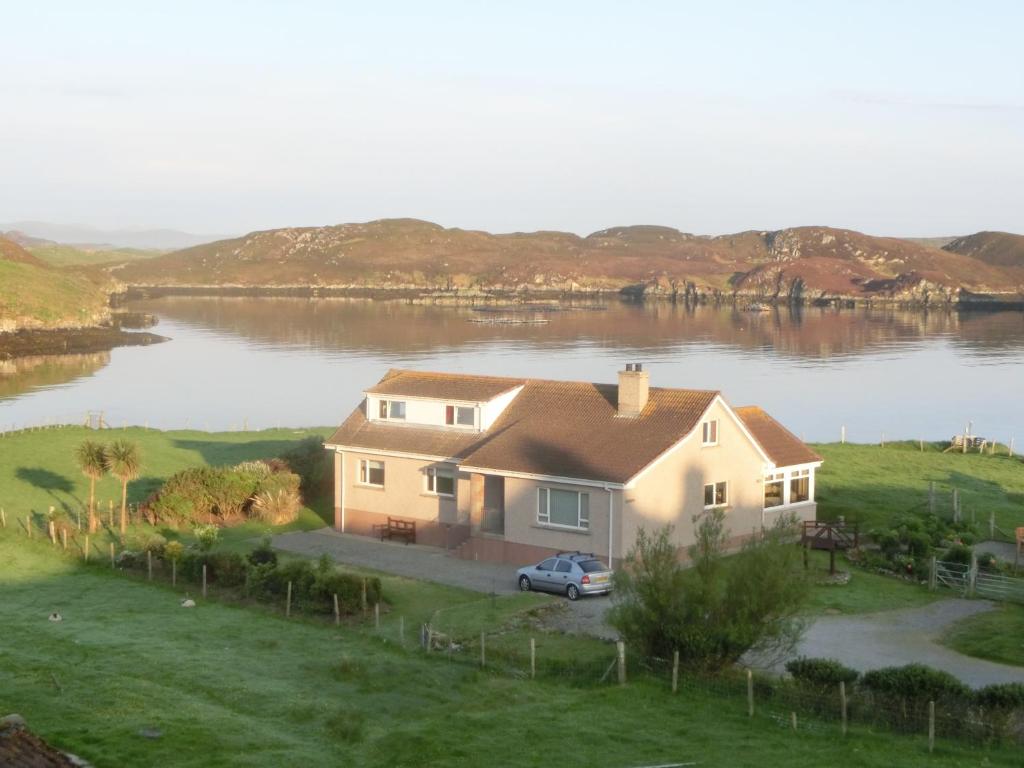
451 386
782 446
557 428
360 432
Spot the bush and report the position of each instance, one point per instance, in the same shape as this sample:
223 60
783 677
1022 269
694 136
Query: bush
716 611
129 559
263 554
206 536
277 501
1003 696
349 589
821 673
147 541
229 569
174 550
919 544
915 683
310 462
958 553
888 542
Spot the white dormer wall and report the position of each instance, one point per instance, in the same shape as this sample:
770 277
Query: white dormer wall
490 411
431 412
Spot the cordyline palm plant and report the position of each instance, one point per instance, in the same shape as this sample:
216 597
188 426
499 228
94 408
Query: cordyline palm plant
124 461
91 460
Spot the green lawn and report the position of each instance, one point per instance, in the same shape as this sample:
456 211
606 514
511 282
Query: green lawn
866 592
995 635
232 686
870 484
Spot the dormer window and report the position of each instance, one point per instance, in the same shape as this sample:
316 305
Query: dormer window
459 415
393 410
709 432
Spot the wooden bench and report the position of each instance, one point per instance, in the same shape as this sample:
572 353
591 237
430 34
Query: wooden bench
397 529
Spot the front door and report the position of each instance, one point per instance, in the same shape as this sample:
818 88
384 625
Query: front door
494 505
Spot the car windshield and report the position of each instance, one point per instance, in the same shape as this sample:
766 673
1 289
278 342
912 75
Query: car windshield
590 566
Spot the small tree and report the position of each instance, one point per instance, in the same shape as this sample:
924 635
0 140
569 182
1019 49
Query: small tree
720 608
124 461
91 460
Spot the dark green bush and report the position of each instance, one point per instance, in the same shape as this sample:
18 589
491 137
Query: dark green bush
821 673
958 553
918 544
915 683
348 588
311 463
228 569
263 554
1003 696
888 541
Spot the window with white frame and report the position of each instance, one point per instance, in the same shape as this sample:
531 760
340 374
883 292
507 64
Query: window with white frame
709 432
371 472
568 509
799 486
392 410
716 495
440 482
774 489
461 415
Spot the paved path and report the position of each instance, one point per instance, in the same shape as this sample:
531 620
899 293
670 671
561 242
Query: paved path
412 560
894 638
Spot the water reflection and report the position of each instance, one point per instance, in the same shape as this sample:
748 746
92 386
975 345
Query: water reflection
24 374
402 329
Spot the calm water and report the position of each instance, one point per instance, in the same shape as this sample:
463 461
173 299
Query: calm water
295 362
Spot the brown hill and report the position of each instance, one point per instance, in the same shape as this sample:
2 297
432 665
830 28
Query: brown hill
12 251
1002 249
804 263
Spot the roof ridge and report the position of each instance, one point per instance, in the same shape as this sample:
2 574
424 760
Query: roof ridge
534 380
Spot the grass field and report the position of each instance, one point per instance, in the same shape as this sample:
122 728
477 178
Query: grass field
228 684
62 255
870 484
233 686
996 635
865 593
34 296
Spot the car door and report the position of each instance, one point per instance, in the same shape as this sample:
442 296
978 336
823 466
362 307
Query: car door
562 576
545 574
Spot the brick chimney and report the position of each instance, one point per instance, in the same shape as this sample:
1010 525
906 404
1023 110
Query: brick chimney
633 384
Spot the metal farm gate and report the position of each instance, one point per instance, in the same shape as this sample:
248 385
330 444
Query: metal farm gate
970 581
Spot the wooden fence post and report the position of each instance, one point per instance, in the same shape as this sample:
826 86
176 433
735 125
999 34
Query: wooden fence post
401 630
972 575
483 649
533 658
288 602
149 565
842 703
52 528
376 615
750 693
112 563
204 580
28 525
1010 450
883 439
174 572
933 575
620 647
792 717
675 671
931 496
110 514
363 600
931 726
992 525
64 538
842 434
86 553
3 517
337 611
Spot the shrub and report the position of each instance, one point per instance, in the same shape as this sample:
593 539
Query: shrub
206 536
147 541
229 569
174 550
129 559
919 544
915 683
263 554
718 610
1003 696
888 542
277 501
349 589
958 553
258 469
310 462
821 673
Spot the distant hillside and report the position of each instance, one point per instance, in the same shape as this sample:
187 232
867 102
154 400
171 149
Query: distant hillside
934 242
803 263
1002 249
34 295
110 239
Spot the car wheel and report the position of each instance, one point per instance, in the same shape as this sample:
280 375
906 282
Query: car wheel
524 583
572 592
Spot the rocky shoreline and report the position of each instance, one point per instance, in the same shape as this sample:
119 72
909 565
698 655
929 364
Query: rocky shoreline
917 297
63 341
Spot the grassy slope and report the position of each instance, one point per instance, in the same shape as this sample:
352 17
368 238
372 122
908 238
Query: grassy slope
61 255
997 635
865 593
871 484
234 686
34 296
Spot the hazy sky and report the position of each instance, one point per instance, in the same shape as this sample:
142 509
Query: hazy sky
888 117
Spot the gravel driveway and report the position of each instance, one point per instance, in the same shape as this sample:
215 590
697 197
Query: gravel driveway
893 638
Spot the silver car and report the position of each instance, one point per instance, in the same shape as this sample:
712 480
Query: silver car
568 573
